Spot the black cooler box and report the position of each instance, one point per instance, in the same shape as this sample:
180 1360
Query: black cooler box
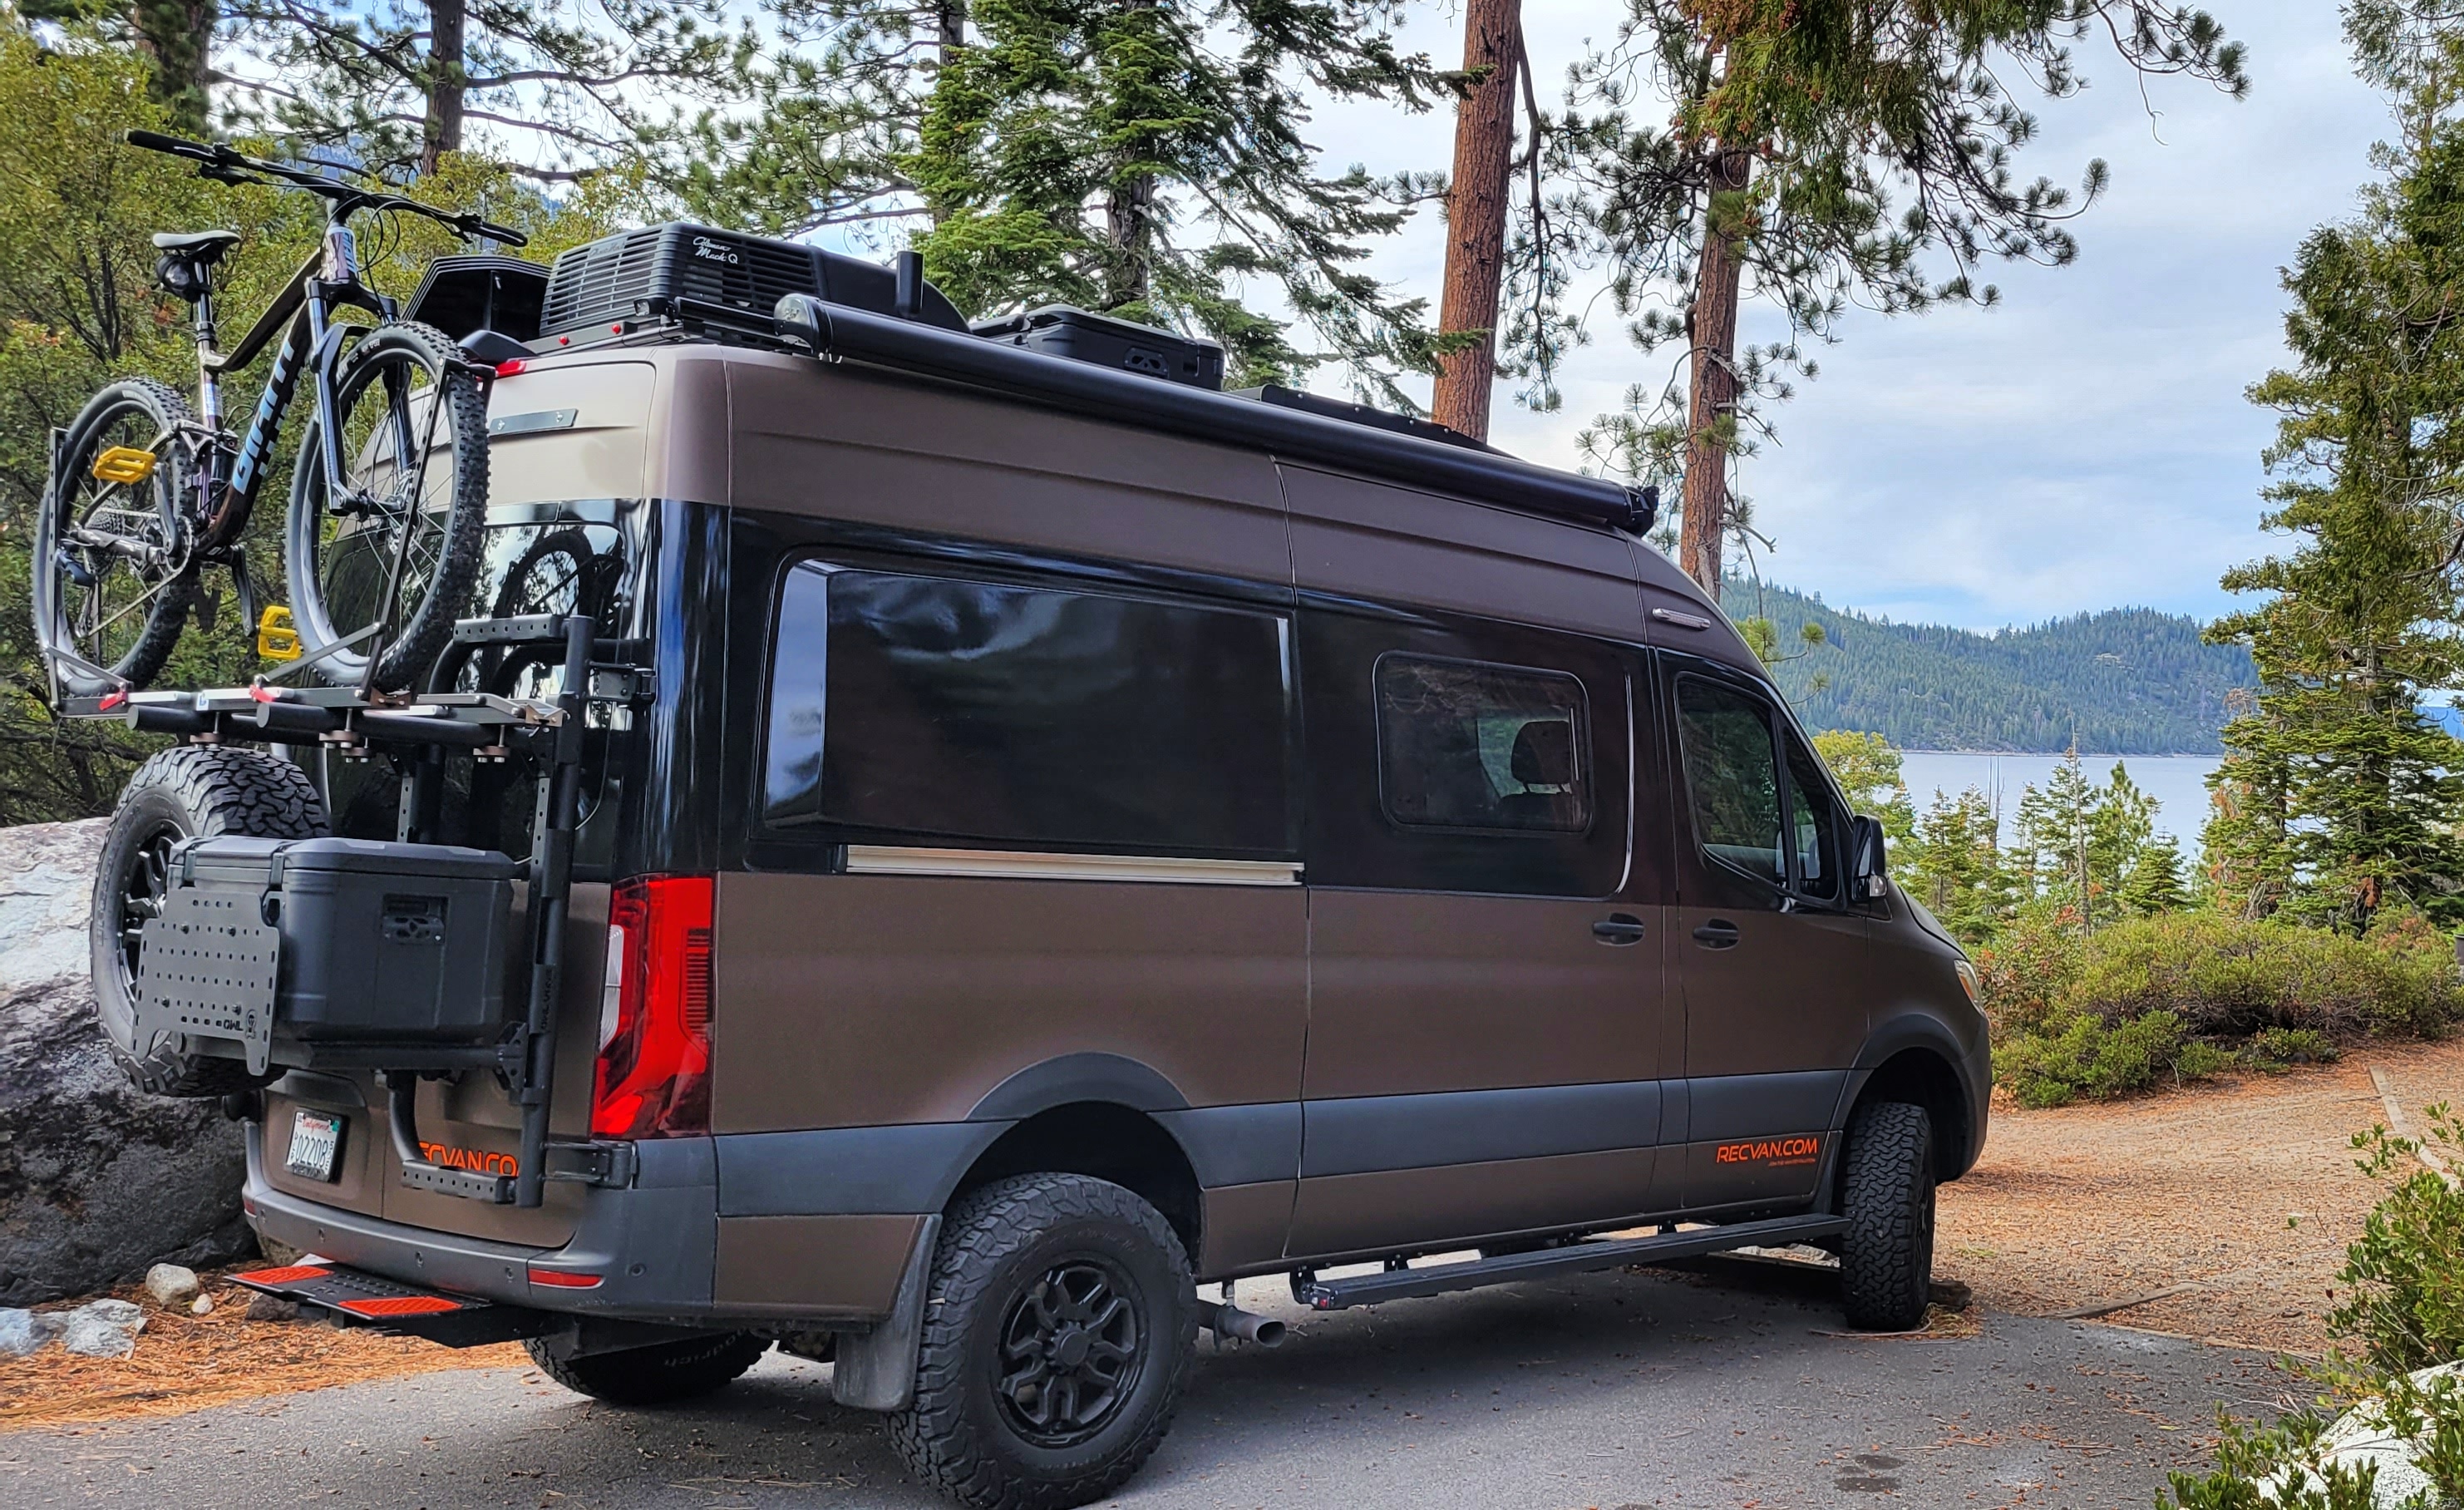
287 947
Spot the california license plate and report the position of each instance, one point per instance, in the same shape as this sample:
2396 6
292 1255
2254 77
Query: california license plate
315 1139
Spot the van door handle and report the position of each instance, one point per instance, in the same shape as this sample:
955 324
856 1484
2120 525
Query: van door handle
1717 934
1619 929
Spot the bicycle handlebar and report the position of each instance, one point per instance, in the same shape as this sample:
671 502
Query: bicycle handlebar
223 166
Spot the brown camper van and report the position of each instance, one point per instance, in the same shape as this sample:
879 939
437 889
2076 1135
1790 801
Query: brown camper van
929 844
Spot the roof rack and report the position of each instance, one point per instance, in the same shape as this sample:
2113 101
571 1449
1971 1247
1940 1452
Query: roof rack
1299 427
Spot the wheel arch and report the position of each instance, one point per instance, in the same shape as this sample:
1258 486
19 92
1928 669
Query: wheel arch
1106 1140
1916 1059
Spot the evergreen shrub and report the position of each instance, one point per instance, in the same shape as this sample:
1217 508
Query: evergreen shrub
2181 996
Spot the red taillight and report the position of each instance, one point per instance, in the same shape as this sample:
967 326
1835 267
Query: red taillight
563 1279
510 366
653 1077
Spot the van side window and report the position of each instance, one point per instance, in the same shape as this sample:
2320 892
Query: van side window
1028 715
1465 755
1814 824
1732 777
1465 745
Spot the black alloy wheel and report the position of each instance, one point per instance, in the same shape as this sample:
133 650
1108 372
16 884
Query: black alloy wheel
1058 1334
1069 1354
144 881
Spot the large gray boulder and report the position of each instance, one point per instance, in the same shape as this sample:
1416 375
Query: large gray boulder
98 1182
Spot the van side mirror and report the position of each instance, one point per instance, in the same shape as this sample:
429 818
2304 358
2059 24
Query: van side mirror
1865 857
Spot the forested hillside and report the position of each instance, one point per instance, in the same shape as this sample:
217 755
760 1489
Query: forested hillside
2126 681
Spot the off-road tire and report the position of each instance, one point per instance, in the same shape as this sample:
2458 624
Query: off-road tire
185 793
168 614
1886 1187
659 1374
417 642
995 1244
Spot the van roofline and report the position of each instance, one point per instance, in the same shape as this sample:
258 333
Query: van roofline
835 331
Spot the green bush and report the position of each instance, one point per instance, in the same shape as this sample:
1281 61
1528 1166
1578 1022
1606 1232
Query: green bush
2181 996
2090 1057
2404 1283
2404 1280
2229 976
2278 1048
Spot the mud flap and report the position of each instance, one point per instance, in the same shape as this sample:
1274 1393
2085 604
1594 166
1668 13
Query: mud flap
875 1370
352 1297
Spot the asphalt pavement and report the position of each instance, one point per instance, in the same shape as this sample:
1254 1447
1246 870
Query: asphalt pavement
1618 1391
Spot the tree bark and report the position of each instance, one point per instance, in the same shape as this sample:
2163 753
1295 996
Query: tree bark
1712 383
442 131
1129 226
949 28
1476 208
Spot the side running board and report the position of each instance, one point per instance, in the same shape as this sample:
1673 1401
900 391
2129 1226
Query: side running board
1402 1284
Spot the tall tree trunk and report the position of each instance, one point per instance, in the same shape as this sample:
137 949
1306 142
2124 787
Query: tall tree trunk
1129 227
1711 383
949 28
1476 208
442 131
178 36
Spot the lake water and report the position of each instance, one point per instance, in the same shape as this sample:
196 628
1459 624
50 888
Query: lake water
2178 784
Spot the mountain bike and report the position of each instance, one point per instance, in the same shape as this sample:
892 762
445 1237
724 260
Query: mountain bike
388 490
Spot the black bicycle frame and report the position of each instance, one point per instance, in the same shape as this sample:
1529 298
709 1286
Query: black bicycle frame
301 313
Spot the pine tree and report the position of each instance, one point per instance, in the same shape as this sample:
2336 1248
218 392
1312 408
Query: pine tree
1867 768
174 36
1497 65
2084 841
1956 866
562 91
2155 883
1819 153
1104 153
2247 845
2341 792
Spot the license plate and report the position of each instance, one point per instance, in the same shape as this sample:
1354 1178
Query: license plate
316 1137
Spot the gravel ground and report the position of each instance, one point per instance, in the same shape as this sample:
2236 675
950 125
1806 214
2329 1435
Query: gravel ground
1623 1389
2248 1189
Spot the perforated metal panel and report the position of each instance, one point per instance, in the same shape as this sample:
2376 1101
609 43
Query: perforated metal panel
207 967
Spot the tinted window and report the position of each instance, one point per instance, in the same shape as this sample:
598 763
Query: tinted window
1732 777
1463 745
1814 824
1411 725
1027 716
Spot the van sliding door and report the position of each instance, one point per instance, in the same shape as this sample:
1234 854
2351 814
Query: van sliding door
1485 1013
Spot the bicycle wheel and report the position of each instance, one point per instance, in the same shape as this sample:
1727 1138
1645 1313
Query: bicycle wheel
114 580
390 550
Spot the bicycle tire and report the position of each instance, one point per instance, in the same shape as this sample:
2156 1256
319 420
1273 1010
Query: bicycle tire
58 595
461 431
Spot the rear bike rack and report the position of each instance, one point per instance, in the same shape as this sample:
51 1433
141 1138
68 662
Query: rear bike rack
348 720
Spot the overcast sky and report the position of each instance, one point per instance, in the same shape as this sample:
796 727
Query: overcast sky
2085 446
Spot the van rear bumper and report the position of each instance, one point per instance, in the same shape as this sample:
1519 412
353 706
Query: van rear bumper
653 1244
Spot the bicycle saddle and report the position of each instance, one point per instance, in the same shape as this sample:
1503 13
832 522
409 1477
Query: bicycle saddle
198 246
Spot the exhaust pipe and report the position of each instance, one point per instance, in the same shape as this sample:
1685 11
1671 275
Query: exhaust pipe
1230 1321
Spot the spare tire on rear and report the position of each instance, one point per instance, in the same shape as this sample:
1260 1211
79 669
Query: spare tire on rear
195 791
